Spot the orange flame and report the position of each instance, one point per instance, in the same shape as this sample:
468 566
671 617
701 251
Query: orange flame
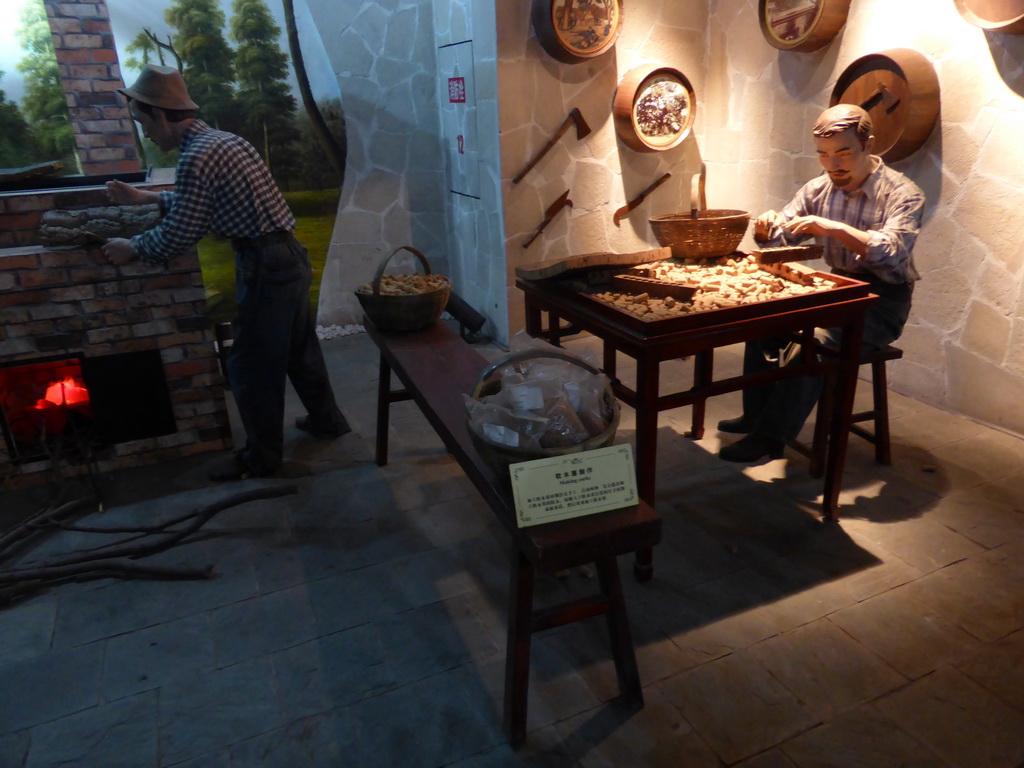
67 391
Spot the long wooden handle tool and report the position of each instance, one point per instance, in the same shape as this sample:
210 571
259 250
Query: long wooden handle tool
550 214
632 204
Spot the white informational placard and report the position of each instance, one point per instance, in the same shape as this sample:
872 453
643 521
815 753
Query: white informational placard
576 484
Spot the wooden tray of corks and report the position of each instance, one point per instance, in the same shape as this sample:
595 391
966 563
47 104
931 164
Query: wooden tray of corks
580 288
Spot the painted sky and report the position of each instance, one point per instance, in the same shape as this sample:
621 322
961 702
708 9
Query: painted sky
127 19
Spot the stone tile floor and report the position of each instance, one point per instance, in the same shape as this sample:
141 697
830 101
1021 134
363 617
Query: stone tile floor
360 621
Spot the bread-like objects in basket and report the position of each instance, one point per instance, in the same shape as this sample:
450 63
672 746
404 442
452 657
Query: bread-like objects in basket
406 285
788 253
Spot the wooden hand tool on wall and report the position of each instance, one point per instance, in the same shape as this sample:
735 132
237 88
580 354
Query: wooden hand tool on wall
617 216
549 214
582 129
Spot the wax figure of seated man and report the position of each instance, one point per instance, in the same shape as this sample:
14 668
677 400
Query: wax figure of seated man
867 217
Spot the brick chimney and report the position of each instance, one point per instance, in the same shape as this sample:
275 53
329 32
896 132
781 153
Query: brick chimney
90 72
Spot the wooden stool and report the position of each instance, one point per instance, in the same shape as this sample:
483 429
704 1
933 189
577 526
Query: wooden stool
879 414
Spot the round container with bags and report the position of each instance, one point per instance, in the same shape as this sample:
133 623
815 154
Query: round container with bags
535 404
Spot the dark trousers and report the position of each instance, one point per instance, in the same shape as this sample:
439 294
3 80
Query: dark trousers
274 338
779 409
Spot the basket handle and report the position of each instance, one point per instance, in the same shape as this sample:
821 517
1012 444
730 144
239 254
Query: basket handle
383 265
698 201
518 357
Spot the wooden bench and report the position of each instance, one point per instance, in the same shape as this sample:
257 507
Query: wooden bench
436 368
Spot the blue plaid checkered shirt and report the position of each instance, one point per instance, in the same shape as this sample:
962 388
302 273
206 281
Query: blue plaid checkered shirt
888 206
221 185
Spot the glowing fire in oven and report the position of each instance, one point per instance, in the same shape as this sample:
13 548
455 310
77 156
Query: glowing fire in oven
67 391
50 413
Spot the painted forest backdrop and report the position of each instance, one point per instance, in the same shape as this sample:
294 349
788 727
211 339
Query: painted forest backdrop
247 76
235 66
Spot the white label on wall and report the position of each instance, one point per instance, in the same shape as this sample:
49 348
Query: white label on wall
458 116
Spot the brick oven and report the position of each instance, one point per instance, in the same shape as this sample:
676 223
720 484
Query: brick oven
138 338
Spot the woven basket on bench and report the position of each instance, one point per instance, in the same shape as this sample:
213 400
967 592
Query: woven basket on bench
404 312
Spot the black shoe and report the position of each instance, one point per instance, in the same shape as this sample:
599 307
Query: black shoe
751 448
321 432
739 426
231 468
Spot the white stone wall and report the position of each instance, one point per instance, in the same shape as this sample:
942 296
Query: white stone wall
964 344
383 54
755 104
600 172
476 221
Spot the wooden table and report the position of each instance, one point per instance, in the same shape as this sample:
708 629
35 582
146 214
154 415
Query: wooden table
697 335
436 368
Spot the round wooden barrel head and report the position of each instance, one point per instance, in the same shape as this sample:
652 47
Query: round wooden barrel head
654 108
801 25
900 90
572 31
995 15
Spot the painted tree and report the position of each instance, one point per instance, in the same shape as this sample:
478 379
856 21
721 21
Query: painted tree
315 169
16 141
44 103
334 150
152 50
209 60
261 71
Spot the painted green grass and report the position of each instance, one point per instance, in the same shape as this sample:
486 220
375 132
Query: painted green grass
314 211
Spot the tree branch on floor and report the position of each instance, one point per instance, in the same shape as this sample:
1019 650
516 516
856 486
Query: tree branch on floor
110 559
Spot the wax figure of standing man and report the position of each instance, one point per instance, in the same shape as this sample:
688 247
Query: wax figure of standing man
222 185
867 217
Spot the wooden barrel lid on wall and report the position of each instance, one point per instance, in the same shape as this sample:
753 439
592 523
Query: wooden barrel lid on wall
900 90
654 108
801 26
994 15
572 31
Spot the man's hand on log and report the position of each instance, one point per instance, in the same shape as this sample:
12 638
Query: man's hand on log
125 194
119 250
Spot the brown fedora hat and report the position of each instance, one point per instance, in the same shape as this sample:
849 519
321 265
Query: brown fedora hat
162 87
